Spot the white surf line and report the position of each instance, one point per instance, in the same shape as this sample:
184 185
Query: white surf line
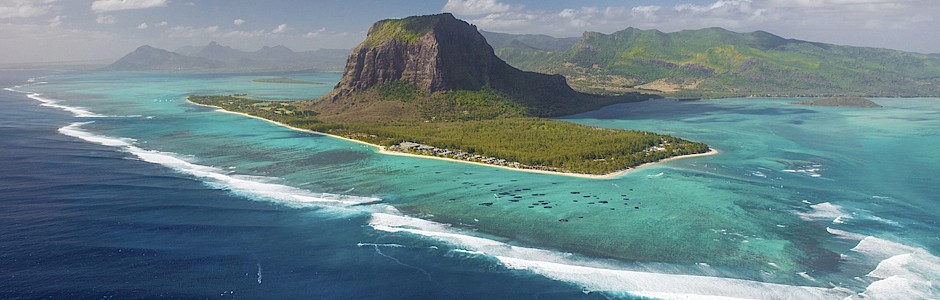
904 272
598 277
255 186
554 265
75 110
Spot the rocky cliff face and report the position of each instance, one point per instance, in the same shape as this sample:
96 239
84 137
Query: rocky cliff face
440 53
437 53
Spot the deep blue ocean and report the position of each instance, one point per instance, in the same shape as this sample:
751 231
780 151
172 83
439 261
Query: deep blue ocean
83 221
112 185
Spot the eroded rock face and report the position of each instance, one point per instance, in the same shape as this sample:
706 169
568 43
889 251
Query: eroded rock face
440 53
451 55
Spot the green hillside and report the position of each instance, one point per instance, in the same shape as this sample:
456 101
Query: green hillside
715 62
431 85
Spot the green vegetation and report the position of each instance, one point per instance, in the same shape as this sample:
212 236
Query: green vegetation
278 111
532 141
460 105
409 30
714 62
484 123
285 80
452 97
840 102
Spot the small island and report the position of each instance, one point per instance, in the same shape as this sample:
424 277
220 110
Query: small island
285 80
431 86
522 143
840 102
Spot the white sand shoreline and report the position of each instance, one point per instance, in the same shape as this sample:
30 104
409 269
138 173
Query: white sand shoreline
383 150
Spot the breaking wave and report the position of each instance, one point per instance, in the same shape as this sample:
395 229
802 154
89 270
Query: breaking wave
901 268
252 186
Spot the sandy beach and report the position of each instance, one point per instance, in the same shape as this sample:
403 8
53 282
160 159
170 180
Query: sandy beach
382 150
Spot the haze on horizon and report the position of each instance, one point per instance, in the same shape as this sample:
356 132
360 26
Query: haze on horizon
104 30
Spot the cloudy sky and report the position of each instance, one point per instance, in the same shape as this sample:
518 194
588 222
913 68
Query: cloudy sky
103 30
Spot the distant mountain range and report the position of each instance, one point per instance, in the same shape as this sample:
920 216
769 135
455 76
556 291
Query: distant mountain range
715 62
215 56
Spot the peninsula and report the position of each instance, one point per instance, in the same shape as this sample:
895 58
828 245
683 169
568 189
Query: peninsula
840 102
432 86
284 80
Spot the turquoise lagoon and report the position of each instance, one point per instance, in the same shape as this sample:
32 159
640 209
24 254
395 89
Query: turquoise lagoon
805 202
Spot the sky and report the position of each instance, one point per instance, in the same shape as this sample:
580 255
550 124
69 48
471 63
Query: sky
105 30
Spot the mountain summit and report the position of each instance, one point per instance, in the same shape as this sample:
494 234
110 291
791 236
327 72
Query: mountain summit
433 84
439 54
147 58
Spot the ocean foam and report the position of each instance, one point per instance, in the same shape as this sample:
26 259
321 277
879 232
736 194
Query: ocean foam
77 111
904 272
252 186
845 234
811 170
380 245
594 276
827 211
901 271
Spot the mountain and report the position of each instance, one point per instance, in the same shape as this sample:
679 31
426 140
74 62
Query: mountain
426 56
226 54
715 62
432 85
147 58
277 57
188 50
278 53
217 56
538 41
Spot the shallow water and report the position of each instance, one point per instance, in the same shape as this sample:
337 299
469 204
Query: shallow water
805 197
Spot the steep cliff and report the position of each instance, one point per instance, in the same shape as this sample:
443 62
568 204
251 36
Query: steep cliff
440 54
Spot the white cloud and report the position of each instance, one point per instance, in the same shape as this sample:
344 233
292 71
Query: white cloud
100 6
161 24
56 21
475 7
316 33
243 33
580 18
41 43
881 23
649 11
143 26
238 22
281 28
25 8
106 19
189 31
